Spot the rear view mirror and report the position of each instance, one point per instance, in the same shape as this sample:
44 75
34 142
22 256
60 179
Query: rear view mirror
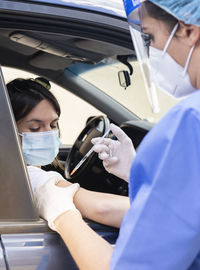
124 78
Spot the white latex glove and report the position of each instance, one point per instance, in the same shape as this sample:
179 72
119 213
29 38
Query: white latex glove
52 201
117 155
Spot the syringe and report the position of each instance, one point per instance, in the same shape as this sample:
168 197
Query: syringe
87 155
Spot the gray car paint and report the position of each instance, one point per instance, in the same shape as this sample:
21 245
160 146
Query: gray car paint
37 251
45 251
2 262
114 7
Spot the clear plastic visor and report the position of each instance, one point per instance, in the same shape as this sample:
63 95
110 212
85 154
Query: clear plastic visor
133 10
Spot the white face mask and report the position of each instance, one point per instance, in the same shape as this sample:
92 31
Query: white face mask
167 74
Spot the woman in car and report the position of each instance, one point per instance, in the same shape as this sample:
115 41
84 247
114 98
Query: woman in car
37 113
161 229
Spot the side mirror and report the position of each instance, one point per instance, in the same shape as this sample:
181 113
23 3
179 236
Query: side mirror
124 78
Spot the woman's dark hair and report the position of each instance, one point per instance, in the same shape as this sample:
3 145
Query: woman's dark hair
25 94
158 13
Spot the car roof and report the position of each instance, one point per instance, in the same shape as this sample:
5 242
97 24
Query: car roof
48 40
112 7
65 34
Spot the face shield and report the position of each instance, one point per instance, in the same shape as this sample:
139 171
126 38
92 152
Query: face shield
140 42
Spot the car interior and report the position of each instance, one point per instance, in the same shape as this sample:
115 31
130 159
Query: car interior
53 49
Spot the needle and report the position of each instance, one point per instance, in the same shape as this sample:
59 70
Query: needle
87 155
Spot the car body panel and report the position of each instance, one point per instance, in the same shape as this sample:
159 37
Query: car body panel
2 260
30 251
112 7
37 251
9 143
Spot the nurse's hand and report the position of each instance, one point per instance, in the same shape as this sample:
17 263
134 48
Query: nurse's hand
117 155
53 201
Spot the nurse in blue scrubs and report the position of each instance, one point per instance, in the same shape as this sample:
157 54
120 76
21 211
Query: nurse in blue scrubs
161 230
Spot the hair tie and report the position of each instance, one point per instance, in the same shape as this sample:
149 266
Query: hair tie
44 84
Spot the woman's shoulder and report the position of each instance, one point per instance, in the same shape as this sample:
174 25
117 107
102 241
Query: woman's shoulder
39 177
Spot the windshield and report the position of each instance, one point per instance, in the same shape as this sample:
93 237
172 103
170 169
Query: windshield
134 97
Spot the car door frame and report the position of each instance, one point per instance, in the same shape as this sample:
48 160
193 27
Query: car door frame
26 239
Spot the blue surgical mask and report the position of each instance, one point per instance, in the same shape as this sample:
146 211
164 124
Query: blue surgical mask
40 148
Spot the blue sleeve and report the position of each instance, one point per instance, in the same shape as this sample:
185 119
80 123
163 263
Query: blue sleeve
161 230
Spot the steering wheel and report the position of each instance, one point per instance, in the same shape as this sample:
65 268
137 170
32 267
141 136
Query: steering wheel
96 127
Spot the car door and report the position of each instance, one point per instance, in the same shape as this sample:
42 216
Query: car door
26 240
2 258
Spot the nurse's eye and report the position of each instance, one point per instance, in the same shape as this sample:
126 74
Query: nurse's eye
147 38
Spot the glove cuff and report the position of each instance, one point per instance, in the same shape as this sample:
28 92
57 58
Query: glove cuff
51 222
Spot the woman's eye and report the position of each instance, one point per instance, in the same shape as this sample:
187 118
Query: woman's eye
54 127
34 129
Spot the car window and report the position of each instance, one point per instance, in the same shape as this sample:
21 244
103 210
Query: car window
74 110
134 97
74 114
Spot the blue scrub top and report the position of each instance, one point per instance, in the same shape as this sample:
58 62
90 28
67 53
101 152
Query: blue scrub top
161 230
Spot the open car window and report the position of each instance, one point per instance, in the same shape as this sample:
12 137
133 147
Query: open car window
74 110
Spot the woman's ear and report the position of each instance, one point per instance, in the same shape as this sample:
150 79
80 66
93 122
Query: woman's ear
188 33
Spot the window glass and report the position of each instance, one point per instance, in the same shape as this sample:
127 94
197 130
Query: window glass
134 97
74 114
74 111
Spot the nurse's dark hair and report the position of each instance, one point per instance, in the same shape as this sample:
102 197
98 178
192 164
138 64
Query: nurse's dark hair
25 94
158 13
